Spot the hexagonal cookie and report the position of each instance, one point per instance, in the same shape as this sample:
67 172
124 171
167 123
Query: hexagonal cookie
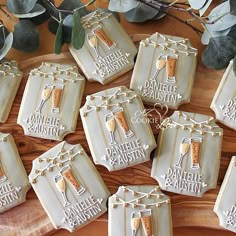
140 210
51 101
14 183
60 180
164 70
108 51
187 160
115 138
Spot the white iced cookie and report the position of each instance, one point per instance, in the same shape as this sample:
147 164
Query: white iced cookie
117 139
10 77
13 178
51 101
225 206
68 186
224 101
139 211
164 70
187 159
108 52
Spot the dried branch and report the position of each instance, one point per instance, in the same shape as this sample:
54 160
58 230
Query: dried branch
198 31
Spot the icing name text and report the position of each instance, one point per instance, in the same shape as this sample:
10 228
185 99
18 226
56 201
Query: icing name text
119 154
44 125
231 216
161 92
112 62
8 194
82 211
230 110
184 181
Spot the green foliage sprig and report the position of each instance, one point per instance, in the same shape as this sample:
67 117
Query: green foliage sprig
217 29
64 22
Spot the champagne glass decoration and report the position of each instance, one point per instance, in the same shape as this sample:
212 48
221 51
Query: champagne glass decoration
122 121
93 43
160 64
171 67
135 222
147 221
111 125
184 147
46 93
61 186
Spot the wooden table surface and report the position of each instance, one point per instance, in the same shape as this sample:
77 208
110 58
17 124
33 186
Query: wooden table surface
191 216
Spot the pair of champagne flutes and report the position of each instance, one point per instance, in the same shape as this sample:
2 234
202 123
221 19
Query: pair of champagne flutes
195 143
118 116
99 33
66 173
56 91
169 61
145 217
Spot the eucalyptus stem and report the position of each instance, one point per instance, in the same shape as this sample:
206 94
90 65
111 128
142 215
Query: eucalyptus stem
51 9
5 13
198 31
54 12
85 5
159 3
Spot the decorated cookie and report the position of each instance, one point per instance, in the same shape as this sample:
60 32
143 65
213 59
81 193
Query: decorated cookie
68 186
51 101
187 160
108 52
139 211
115 138
13 178
164 70
10 82
225 206
224 102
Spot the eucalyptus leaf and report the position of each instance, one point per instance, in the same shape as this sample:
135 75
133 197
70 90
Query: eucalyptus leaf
226 19
68 21
232 7
160 14
232 32
58 40
211 34
52 26
141 13
78 32
234 65
205 7
50 8
38 20
20 6
26 36
197 4
36 11
3 34
7 45
219 52
122 5
67 28
73 4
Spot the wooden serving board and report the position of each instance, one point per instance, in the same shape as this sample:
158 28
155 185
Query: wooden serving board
30 218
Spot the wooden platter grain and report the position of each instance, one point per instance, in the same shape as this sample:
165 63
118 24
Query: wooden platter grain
30 218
